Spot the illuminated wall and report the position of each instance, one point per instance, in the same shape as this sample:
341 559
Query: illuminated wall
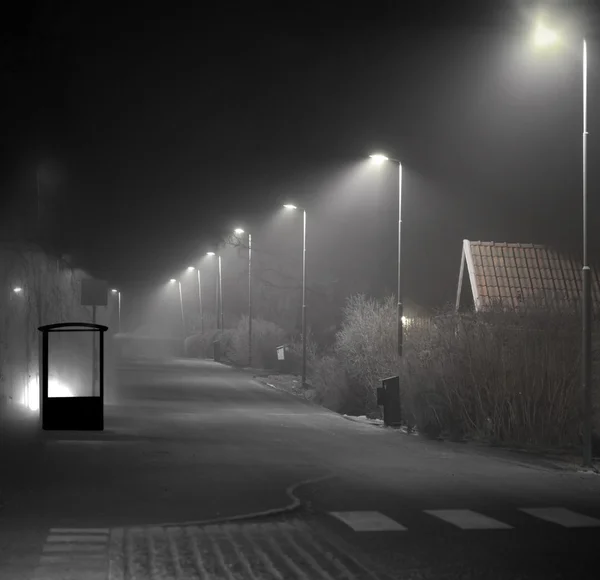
35 289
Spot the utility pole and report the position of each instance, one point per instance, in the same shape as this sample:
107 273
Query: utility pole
586 311
249 300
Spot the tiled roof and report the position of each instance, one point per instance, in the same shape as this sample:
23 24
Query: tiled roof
516 274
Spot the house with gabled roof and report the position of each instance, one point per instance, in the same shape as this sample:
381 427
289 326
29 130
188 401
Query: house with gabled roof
513 275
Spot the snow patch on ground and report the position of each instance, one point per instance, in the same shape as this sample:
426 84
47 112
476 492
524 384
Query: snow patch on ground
290 384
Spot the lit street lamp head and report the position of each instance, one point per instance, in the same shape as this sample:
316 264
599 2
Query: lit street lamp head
378 158
210 253
290 206
17 290
172 280
238 231
545 37
114 290
190 268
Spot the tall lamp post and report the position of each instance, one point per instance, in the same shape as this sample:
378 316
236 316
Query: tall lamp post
201 314
173 281
118 294
545 37
219 291
239 232
293 207
379 159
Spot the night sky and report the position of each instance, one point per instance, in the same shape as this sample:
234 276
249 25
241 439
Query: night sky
168 127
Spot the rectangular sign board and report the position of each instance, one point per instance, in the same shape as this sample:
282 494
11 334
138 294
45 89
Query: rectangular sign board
94 293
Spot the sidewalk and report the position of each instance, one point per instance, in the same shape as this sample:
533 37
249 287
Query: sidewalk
543 459
20 447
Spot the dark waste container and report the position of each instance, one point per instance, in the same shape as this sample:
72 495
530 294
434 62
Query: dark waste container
217 350
388 396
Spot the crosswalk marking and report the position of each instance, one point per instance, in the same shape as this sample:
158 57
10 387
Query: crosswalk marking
58 558
365 521
465 519
76 538
74 554
563 517
468 520
74 547
79 530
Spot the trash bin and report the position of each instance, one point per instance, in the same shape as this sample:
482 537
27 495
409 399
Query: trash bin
388 396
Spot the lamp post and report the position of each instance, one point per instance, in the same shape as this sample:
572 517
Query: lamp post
545 37
201 314
200 301
293 207
118 294
173 281
219 291
240 231
379 159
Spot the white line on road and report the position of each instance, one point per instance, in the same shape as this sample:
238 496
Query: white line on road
79 530
563 517
365 521
74 554
74 547
468 520
97 539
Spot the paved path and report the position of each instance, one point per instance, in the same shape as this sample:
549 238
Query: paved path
191 445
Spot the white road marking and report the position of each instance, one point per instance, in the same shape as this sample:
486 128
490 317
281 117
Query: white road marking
79 530
366 521
101 539
563 517
74 554
468 520
74 547
69 558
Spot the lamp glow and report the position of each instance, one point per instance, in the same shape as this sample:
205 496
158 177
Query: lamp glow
172 280
290 206
544 36
378 158
114 290
190 268
17 290
238 231
210 253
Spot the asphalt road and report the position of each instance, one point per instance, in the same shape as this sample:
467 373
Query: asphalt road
189 443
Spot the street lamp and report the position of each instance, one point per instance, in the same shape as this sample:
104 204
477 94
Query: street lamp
239 232
17 289
293 207
545 37
115 291
219 292
378 159
191 269
173 281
